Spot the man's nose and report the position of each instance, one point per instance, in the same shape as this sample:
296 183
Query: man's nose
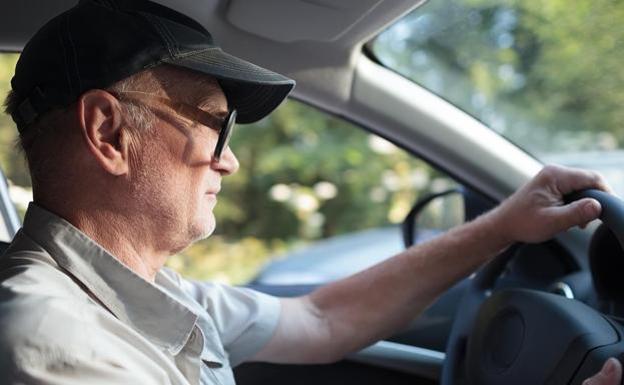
228 163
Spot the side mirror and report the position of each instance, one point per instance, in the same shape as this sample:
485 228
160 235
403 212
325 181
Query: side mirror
454 206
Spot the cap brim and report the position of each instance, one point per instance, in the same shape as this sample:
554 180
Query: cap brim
254 91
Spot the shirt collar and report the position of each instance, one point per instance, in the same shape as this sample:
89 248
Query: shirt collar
133 300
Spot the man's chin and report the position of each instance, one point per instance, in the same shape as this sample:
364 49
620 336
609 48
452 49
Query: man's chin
203 230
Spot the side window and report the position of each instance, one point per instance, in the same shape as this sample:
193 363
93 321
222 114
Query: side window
316 195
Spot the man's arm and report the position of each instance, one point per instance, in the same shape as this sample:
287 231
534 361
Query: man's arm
349 314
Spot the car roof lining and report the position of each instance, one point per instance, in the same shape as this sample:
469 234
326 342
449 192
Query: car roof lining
335 17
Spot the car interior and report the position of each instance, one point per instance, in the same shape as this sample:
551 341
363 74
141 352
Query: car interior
325 46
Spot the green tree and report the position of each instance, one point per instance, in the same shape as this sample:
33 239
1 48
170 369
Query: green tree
545 74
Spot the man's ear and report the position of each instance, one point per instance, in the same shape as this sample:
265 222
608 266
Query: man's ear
101 122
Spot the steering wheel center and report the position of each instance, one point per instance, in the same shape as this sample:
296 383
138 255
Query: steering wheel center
503 340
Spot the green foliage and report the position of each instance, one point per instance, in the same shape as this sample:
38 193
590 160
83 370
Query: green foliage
545 74
216 259
301 147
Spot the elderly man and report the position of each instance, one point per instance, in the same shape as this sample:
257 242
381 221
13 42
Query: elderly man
124 110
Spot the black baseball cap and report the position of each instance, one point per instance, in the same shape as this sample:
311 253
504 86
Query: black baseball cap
99 42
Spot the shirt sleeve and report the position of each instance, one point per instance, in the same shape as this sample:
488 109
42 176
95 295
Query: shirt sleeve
245 319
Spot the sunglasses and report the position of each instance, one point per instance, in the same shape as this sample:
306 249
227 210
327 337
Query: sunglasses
223 126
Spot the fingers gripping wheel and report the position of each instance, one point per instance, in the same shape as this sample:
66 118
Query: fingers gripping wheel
518 336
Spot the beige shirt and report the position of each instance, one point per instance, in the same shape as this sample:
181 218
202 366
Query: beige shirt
71 313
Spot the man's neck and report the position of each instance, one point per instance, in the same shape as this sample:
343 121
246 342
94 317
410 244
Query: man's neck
128 242
131 243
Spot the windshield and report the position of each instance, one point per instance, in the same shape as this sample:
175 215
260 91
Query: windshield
546 75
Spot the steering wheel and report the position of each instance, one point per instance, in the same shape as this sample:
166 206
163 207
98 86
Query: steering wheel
526 337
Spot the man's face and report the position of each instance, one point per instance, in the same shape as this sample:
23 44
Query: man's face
175 178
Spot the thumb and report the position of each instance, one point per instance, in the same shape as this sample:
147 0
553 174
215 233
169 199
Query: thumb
577 213
610 374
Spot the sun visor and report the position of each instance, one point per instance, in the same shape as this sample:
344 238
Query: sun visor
298 20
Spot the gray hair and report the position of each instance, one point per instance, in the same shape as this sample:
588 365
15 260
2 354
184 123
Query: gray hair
139 117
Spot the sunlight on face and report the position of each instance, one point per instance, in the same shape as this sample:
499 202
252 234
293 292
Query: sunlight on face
176 180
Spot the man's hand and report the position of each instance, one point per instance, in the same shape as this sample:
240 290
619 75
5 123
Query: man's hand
536 212
610 374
